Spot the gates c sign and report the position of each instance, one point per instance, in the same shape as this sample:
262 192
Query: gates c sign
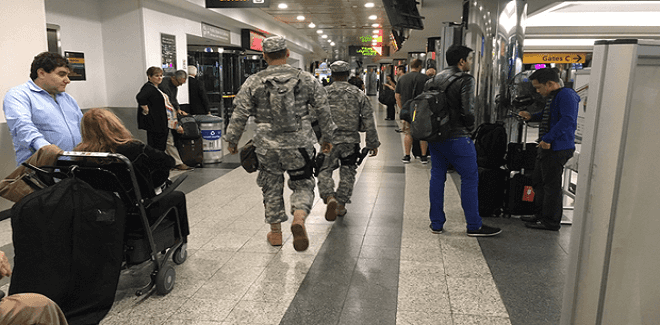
555 57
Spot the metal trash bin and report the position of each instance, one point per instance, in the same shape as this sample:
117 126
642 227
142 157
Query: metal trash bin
211 127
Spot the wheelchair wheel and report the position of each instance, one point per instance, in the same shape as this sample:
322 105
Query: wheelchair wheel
180 254
165 280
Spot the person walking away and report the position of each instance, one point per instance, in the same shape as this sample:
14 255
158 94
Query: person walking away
556 146
408 87
459 149
39 112
284 101
350 107
199 101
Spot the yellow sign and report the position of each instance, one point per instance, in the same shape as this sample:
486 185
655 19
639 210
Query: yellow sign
559 57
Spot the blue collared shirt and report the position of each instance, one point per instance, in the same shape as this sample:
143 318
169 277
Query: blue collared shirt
36 120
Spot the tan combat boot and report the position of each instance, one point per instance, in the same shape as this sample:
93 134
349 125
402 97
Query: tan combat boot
275 235
331 210
300 240
341 210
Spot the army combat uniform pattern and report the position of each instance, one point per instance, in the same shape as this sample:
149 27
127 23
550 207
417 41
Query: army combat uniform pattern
347 104
278 152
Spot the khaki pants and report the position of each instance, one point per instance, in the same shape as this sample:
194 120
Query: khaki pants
30 308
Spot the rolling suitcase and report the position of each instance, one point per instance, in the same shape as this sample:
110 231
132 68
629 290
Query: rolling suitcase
191 151
190 128
520 196
521 155
492 188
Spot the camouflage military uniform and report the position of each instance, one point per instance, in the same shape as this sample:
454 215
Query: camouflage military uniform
279 151
347 104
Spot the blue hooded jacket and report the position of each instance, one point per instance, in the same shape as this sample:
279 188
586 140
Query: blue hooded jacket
563 120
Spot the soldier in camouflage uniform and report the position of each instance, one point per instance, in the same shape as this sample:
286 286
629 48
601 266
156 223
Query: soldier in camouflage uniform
284 102
350 107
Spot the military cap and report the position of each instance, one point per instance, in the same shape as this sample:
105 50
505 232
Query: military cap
339 66
274 44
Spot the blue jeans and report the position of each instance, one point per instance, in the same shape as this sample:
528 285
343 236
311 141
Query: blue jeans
460 153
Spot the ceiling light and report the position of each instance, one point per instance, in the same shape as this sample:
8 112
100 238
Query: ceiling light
332 44
282 6
319 31
376 31
373 17
369 4
311 25
374 25
329 41
300 18
324 36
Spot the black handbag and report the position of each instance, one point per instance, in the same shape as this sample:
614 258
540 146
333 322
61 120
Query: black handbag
249 159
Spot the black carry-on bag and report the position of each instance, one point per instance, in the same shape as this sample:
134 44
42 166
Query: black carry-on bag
520 194
492 189
521 155
68 243
191 151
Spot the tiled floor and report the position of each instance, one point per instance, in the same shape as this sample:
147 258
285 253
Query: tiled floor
379 264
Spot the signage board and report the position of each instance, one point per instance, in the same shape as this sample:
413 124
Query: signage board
215 33
237 4
557 57
168 53
252 40
77 62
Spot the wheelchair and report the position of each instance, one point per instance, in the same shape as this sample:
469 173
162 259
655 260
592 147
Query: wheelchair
152 226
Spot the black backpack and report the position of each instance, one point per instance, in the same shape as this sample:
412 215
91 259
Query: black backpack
190 128
430 115
490 141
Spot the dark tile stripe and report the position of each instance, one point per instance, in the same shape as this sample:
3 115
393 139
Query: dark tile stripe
354 278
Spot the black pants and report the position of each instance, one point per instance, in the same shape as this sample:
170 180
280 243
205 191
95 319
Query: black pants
546 180
157 140
390 111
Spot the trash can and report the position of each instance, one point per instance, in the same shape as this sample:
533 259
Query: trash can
211 127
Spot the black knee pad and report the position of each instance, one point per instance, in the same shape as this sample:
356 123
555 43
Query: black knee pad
307 171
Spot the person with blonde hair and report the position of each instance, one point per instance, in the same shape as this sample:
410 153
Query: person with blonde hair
157 115
103 131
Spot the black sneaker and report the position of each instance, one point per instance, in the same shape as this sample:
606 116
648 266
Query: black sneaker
406 159
435 231
484 231
424 160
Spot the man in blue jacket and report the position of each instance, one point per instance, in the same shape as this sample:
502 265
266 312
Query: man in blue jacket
556 147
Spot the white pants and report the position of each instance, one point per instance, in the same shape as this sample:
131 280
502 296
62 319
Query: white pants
171 150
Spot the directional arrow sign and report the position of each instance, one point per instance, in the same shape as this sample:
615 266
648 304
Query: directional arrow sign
554 57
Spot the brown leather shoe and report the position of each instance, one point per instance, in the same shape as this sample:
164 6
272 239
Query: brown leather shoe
300 239
182 167
331 210
274 238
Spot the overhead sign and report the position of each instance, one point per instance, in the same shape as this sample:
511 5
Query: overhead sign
237 3
216 33
558 57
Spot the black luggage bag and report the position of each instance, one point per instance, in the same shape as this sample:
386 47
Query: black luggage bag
520 196
191 151
190 128
68 242
521 156
492 189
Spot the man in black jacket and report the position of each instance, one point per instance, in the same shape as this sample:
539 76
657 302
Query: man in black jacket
459 149
199 102
408 87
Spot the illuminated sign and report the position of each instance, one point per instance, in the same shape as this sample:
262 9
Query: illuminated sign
251 40
237 3
559 57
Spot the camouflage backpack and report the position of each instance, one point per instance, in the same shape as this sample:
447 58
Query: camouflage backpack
342 106
280 90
